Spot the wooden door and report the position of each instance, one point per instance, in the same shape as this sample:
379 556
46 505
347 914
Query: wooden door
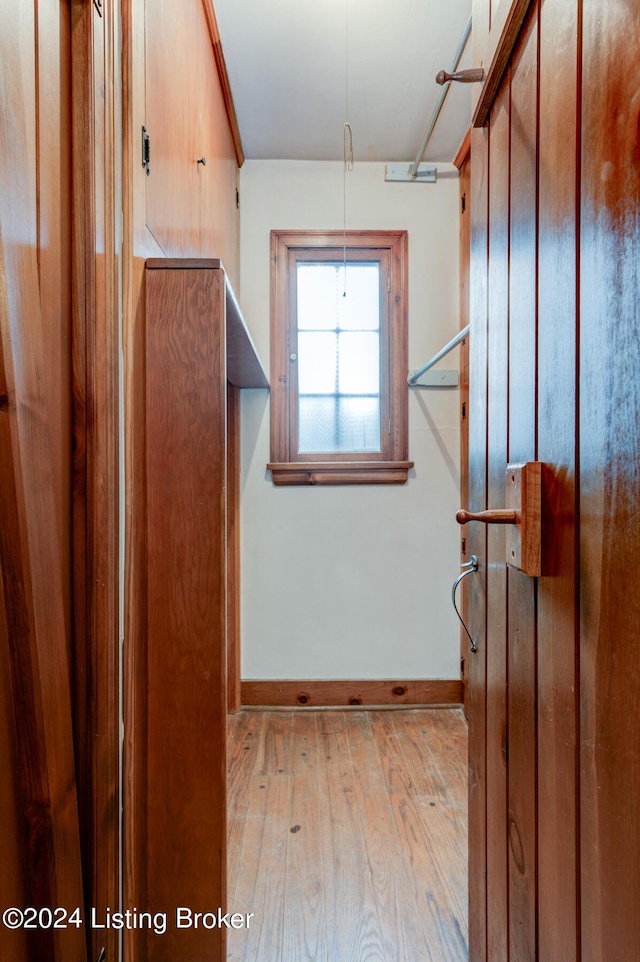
59 473
41 853
554 782
95 75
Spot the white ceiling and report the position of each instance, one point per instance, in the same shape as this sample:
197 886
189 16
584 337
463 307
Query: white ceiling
289 63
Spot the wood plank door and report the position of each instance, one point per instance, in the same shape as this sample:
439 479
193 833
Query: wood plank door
554 755
95 75
523 408
59 473
41 837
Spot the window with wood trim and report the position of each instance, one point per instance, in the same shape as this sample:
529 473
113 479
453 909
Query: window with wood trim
339 357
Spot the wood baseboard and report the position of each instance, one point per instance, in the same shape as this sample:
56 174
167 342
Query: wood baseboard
324 694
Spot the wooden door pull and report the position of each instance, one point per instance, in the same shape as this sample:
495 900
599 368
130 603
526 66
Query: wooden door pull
523 497
473 76
495 516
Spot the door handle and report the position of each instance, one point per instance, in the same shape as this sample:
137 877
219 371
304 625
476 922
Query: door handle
473 76
495 516
523 497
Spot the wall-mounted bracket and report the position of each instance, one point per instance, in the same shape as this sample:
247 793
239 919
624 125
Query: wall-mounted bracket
426 174
436 378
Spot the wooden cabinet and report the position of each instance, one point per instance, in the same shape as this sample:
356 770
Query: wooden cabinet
191 207
195 343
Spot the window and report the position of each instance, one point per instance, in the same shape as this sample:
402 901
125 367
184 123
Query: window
339 357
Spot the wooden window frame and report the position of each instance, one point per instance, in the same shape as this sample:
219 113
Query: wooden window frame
390 465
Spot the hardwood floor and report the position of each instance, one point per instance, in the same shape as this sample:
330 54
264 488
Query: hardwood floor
348 835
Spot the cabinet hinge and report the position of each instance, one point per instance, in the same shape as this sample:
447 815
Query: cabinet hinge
388 283
146 150
463 203
237 199
464 410
463 547
389 427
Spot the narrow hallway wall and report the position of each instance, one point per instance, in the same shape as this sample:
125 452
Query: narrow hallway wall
354 582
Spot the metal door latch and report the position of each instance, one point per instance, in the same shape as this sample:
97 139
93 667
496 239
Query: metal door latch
469 567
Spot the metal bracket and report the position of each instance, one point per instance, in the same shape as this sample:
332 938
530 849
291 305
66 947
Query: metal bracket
436 379
400 173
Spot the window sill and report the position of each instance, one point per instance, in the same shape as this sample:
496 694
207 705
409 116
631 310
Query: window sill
340 472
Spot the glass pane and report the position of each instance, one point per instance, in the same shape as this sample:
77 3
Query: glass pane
338 347
316 424
359 363
360 305
317 362
339 424
325 302
318 293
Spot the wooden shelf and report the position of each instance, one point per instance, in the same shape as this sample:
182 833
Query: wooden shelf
244 367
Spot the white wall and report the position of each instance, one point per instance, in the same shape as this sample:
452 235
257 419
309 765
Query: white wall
353 582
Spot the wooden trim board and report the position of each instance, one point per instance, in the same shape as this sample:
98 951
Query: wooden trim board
339 693
223 77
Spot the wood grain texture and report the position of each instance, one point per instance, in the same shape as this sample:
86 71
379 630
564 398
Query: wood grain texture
609 483
348 472
462 157
497 441
53 186
347 835
197 216
34 629
244 367
186 585
477 545
557 448
497 25
464 164
522 447
523 483
95 76
223 79
190 208
315 694
573 359
14 881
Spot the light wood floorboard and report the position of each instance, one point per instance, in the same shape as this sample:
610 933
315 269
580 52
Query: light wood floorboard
348 835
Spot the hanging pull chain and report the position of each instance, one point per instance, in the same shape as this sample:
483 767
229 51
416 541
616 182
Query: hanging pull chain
347 147
348 166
